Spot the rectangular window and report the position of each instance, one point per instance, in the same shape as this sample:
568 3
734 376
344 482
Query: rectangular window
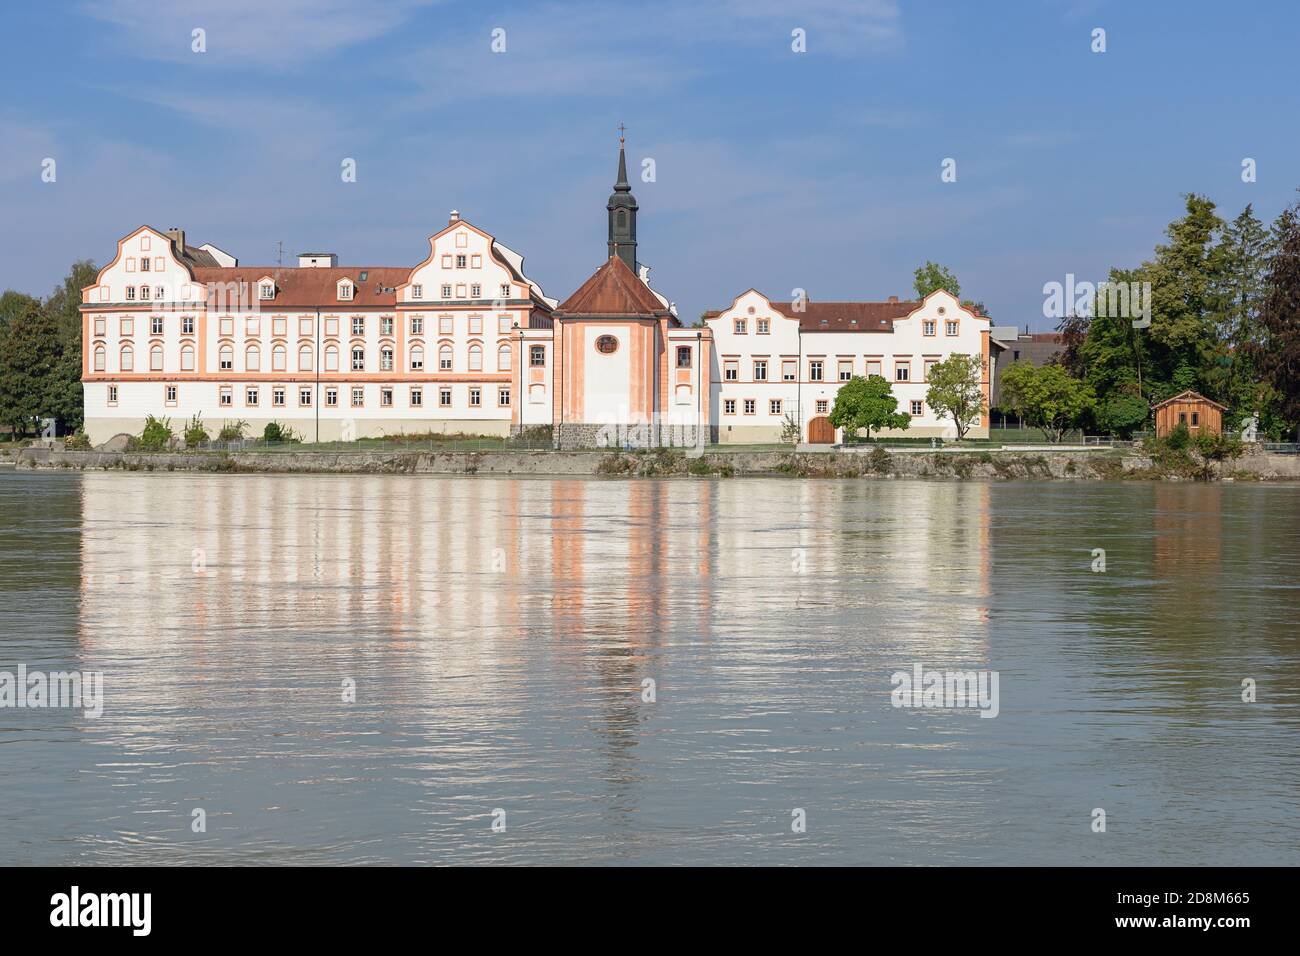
386 397
749 406
760 370
445 325
144 292
417 398
252 326
846 370
774 406
417 325
144 263
304 325
950 327
475 397
446 262
503 324
927 365
476 325
358 325
385 325
503 396
250 395
475 290
537 355
815 371
476 262
873 366
822 405
729 406
332 396
112 394
100 326
505 290
417 291
304 397
903 372
788 371
187 325
683 356
156 325
444 397
731 370
761 326
446 290
170 395
927 327
130 293
358 397
461 262
916 408
279 325
358 360
1196 419
739 327
268 290
277 396
226 397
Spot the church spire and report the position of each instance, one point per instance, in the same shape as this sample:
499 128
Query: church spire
622 209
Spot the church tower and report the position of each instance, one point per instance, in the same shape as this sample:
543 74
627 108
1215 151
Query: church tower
622 215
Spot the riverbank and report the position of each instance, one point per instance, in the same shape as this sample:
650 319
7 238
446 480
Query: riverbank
948 464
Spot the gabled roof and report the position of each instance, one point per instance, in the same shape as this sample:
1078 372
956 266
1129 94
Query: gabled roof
1190 396
614 290
843 316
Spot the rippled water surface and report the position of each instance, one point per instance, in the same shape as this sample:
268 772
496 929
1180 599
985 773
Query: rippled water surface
499 633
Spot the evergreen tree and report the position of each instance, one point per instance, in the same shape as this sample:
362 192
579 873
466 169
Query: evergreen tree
63 308
27 360
1276 347
1231 374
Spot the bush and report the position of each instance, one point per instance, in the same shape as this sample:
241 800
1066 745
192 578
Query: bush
1178 438
232 431
157 435
77 441
195 433
275 432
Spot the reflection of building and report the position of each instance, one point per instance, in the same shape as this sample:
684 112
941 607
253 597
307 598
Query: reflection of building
463 342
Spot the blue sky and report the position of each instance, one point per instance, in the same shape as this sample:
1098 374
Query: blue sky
776 170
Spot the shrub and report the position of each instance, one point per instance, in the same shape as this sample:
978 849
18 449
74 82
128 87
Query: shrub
232 431
195 433
157 435
275 432
77 441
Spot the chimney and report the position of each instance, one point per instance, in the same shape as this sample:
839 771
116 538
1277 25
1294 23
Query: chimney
455 217
177 236
893 298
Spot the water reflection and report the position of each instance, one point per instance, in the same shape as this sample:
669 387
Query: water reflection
500 634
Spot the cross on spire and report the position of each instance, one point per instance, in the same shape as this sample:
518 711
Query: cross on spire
621 128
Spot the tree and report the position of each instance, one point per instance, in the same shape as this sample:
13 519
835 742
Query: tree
933 276
1046 397
64 308
956 390
1276 352
866 403
1122 413
27 359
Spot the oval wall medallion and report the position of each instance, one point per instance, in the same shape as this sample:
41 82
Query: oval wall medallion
606 344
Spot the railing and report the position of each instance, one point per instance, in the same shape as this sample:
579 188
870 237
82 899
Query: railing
1281 447
367 446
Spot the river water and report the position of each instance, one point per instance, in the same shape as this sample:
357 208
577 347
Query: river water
662 672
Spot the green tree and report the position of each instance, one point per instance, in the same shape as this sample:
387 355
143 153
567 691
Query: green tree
956 391
1122 413
1276 349
866 403
27 360
1242 281
64 308
1046 397
932 276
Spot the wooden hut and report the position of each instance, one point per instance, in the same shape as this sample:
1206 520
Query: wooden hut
1198 413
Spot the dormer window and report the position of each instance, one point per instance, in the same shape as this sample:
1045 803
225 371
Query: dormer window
267 290
345 290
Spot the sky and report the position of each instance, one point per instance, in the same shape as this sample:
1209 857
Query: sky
773 169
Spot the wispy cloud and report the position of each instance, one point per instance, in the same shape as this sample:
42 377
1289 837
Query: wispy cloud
274 36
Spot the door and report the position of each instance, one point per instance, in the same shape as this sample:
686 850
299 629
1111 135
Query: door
821 431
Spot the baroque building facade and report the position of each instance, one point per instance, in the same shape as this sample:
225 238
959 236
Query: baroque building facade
466 343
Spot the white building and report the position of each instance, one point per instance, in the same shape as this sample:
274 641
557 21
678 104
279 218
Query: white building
772 360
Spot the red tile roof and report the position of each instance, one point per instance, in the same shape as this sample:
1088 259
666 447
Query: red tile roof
844 316
613 289
313 288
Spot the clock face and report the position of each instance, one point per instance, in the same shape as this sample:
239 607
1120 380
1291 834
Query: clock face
606 344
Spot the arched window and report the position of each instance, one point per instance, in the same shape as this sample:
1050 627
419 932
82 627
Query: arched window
279 354
386 358
331 358
156 358
503 358
304 358
476 358
187 358
253 359
417 358
226 358
444 358
99 359
128 359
